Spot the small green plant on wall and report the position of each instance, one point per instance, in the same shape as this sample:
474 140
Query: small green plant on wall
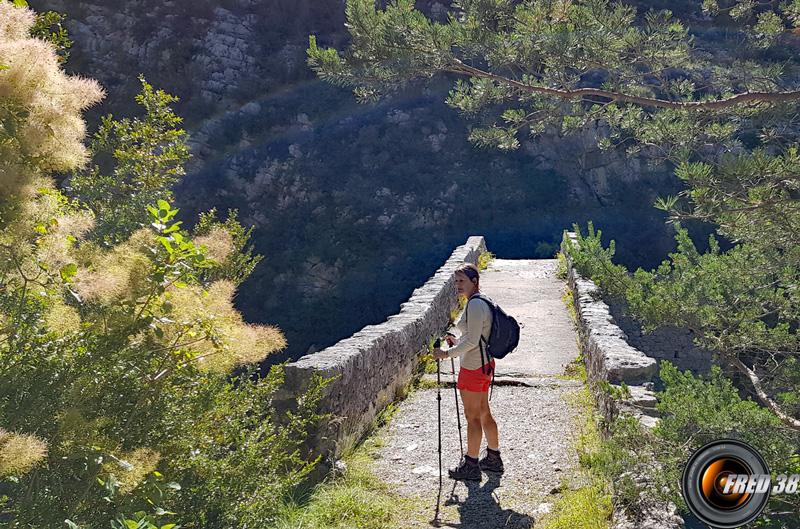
484 259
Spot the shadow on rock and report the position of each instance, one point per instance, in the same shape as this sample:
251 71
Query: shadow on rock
481 510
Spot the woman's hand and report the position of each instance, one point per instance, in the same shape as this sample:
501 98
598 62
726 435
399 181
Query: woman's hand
438 354
450 339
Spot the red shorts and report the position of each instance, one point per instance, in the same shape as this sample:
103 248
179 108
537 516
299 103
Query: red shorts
475 379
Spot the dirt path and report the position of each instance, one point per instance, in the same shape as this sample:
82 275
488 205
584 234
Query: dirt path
530 404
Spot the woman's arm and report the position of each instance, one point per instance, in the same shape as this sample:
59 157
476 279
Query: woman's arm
474 316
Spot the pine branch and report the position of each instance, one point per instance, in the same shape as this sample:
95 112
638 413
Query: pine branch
582 93
733 361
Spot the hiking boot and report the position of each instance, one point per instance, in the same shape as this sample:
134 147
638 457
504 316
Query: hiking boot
469 470
492 462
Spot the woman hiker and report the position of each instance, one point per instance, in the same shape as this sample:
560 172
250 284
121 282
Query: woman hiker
474 378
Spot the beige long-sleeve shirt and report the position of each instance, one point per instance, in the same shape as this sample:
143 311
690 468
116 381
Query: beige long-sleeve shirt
475 321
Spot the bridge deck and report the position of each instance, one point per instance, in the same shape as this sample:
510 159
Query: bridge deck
530 291
538 425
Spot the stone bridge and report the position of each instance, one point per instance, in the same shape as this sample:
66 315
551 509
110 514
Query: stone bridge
530 400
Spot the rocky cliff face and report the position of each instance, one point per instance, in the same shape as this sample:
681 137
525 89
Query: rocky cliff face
215 54
354 206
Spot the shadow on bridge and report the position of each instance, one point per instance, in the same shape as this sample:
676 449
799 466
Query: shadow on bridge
480 508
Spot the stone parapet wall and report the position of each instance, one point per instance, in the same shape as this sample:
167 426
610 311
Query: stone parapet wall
372 366
610 358
675 344
607 354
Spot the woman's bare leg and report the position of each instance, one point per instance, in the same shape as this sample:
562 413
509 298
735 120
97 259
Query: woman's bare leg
472 412
488 424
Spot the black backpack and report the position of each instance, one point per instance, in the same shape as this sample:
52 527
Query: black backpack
504 336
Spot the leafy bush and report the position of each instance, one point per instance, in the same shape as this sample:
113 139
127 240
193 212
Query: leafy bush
136 162
694 411
714 294
118 334
740 304
243 458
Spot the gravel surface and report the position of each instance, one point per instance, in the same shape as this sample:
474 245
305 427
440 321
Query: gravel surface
536 440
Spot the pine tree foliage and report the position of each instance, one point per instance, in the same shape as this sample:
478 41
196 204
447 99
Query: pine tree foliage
560 64
726 119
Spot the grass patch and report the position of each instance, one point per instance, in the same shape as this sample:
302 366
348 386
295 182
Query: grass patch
588 504
589 440
385 415
569 301
575 370
588 507
356 499
561 271
426 383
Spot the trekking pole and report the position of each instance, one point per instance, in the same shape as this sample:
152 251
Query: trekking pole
458 413
436 344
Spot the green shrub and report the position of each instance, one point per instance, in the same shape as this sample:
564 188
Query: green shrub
241 458
739 304
593 261
697 410
118 335
135 163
